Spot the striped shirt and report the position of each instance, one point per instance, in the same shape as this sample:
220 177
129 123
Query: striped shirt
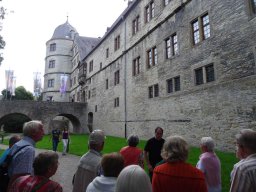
245 175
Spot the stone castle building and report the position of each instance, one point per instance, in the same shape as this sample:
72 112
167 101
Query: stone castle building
185 65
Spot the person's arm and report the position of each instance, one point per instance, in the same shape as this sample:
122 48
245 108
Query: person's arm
141 160
146 155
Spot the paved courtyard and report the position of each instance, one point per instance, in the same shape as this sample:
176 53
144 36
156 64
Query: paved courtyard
66 170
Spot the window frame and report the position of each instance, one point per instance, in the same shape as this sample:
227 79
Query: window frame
153 91
117 43
173 84
135 25
52 47
152 57
91 66
136 64
50 83
117 77
51 64
201 30
149 11
204 76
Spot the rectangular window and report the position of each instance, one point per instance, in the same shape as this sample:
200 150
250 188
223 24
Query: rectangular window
117 77
106 83
149 11
117 43
168 48
100 65
173 84
52 64
89 94
253 5
174 44
204 74
91 66
116 102
153 91
51 83
107 52
135 25
152 57
201 29
136 66
53 47
96 108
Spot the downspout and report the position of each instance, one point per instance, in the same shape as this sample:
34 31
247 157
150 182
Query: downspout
125 79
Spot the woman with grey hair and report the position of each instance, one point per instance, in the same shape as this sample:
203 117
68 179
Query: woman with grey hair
132 154
133 179
175 174
209 164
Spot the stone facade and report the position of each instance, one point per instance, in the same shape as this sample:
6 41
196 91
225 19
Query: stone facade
213 90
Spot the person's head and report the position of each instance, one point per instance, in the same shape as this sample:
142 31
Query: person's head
133 179
207 144
159 133
112 164
175 149
133 140
33 129
96 140
246 143
13 139
46 164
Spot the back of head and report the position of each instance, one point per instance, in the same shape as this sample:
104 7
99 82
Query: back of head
31 128
96 139
133 179
175 149
133 140
247 138
112 164
13 139
208 142
44 161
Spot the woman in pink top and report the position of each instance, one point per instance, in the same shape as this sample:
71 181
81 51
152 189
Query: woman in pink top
131 154
209 163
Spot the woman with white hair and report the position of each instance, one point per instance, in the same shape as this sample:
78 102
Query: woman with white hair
133 179
209 163
175 174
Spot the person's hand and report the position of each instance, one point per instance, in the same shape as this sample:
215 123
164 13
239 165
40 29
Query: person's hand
150 168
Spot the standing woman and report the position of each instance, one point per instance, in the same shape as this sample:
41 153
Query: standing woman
65 140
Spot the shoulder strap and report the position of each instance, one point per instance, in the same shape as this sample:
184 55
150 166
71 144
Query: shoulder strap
39 185
19 150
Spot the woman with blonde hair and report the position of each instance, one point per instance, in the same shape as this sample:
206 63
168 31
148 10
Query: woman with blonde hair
175 174
133 179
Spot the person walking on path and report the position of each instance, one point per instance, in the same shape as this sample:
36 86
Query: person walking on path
89 164
152 150
65 140
55 139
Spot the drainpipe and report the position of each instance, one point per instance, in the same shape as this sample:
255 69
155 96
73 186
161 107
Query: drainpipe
125 79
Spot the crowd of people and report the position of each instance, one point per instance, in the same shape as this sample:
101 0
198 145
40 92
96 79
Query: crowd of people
123 171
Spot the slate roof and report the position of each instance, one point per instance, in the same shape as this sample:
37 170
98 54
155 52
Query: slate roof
64 31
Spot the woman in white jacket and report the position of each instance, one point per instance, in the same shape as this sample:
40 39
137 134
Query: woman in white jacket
112 164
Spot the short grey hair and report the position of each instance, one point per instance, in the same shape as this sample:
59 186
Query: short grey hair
133 178
247 138
208 142
175 149
133 140
31 128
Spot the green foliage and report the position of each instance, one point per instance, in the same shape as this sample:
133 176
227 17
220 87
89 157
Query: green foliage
4 92
22 94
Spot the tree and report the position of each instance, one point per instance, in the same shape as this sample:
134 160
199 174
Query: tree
2 42
4 92
22 94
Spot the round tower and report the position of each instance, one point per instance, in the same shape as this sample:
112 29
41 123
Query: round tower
58 64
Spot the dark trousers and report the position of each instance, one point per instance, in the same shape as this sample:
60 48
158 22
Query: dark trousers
55 144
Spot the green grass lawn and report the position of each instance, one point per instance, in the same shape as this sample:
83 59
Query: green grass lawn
79 146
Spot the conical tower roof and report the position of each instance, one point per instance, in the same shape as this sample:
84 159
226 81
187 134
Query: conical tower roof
64 31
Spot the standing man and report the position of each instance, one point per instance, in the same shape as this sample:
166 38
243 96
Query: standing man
244 173
55 139
22 162
152 150
209 164
89 164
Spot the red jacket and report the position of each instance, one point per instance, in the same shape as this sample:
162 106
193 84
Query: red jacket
131 155
178 177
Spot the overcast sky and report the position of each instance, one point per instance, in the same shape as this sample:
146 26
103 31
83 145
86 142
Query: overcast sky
30 23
